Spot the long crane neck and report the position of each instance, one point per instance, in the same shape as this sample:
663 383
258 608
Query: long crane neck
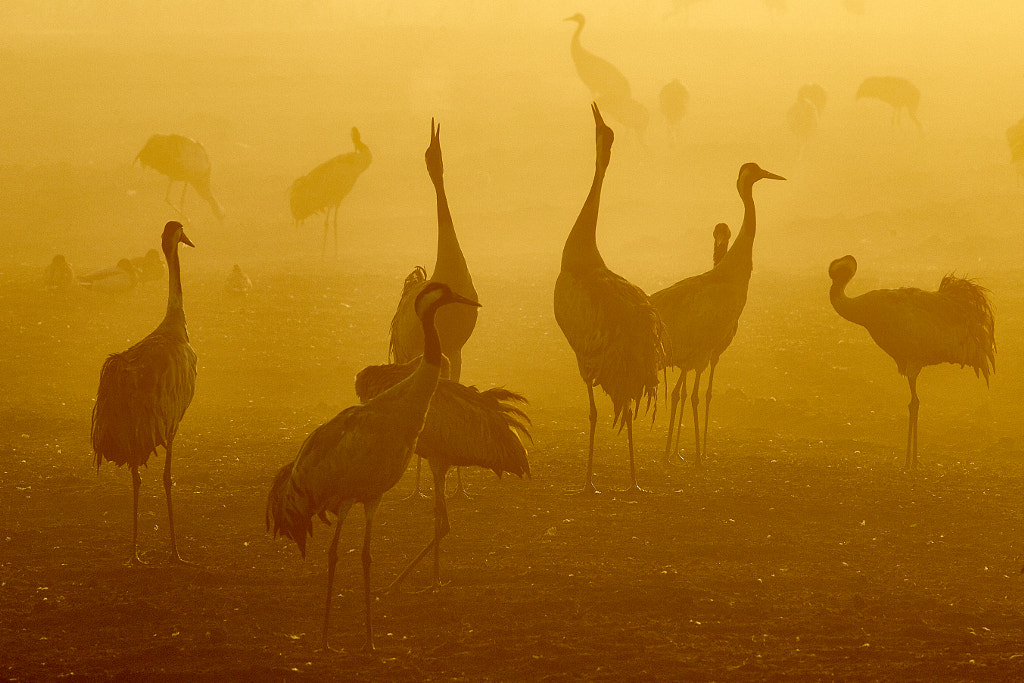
580 252
450 265
425 377
175 316
741 253
845 306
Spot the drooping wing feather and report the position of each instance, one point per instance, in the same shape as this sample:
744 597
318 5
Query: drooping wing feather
616 333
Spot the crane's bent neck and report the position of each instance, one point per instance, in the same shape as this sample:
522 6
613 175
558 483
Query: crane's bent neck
580 252
741 253
843 304
424 379
450 265
175 316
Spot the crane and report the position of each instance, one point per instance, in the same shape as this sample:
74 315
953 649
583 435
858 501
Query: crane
454 325
918 328
464 427
701 313
804 114
609 322
150 267
673 100
145 391
59 276
599 75
360 454
899 93
323 188
182 160
238 282
119 279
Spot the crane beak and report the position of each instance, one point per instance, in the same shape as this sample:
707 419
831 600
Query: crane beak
185 240
459 299
772 176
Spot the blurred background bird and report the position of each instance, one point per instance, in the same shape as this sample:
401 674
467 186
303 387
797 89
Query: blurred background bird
182 160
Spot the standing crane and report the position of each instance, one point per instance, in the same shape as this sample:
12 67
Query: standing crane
701 313
145 391
360 454
613 329
1015 139
59 276
899 93
917 328
323 188
182 160
673 100
464 427
804 114
454 325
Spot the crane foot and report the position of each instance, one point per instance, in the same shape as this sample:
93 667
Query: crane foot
136 561
588 490
417 495
632 493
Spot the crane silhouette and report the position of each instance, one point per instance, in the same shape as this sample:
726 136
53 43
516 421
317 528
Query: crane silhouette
673 100
609 322
145 391
917 328
59 276
323 188
1015 139
701 313
454 325
899 93
360 454
150 267
238 282
119 279
464 427
182 160
804 114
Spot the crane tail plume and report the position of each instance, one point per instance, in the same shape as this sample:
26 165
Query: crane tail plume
971 304
285 509
115 410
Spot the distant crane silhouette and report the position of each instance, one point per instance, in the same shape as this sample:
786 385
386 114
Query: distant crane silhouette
454 325
597 74
145 391
1015 139
464 427
59 276
360 454
804 114
149 267
182 160
673 100
610 324
116 280
899 93
238 282
701 313
917 328
323 188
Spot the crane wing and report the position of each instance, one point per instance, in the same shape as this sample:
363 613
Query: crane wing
700 314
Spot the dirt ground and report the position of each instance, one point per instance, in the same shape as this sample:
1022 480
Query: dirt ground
803 551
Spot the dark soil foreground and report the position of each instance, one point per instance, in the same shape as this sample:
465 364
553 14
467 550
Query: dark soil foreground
787 557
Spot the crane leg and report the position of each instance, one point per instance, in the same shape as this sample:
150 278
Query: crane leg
628 419
672 417
707 402
370 509
327 218
136 483
460 490
679 424
588 488
175 557
332 560
441 530
912 424
417 493
694 403
336 232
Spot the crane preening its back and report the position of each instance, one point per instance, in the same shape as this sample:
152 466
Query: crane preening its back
323 188
360 454
464 427
182 160
701 313
899 93
613 329
144 392
917 328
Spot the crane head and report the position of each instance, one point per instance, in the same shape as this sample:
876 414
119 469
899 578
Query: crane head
842 269
750 173
355 136
174 233
437 294
578 18
435 165
605 137
722 233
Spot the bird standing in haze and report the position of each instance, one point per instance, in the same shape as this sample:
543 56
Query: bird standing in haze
701 313
804 114
360 454
899 93
454 325
917 328
116 280
238 282
182 160
59 276
464 427
609 322
323 188
673 100
145 391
